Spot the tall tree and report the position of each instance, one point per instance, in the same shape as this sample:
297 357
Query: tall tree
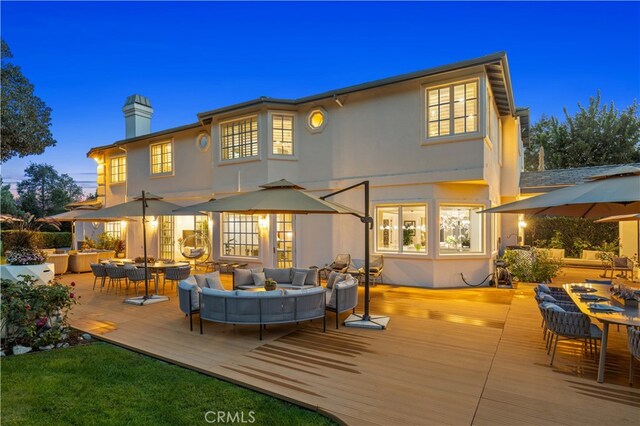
595 135
44 192
7 201
25 117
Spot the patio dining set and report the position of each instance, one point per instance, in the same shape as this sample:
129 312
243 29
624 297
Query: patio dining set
118 272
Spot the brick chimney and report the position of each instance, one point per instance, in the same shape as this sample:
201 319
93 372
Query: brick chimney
137 116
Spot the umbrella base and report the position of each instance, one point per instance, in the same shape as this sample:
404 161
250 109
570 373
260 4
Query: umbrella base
146 300
373 322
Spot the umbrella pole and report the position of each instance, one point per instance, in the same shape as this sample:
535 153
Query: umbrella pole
144 244
365 320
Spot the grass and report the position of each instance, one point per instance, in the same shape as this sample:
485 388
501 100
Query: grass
105 384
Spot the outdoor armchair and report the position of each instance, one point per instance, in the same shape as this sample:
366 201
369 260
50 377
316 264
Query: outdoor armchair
60 262
81 262
376 265
189 298
622 264
342 297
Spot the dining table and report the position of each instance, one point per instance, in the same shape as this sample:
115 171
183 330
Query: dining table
623 315
155 267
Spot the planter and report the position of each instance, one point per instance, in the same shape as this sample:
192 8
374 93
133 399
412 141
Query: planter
43 272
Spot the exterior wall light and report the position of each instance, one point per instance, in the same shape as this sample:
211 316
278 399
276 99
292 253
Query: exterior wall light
263 221
522 224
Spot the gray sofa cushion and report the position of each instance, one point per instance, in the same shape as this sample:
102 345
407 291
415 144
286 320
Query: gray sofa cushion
193 288
307 290
340 285
216 292
311 277
213 281
258 278
280 275
299 278
335 277
201 279
259 294
242 277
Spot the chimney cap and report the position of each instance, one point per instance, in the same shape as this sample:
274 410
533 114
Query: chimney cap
138 99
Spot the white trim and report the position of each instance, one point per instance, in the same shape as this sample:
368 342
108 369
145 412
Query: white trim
484 254
256 157
208 146
400 204
126 170
294 117
173 159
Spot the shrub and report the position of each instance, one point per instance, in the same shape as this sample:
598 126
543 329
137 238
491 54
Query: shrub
34 315
15 238
25 256
106 242
532 266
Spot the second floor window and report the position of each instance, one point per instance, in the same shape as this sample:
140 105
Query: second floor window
239 138
282 134
118 169
161 158
452 109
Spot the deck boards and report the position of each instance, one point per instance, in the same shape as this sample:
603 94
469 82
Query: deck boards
465 356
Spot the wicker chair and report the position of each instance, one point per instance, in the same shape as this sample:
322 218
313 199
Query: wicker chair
175 275
342 297
376 265
136 277
570 325
622 264
116 275
340 264
634 349
99 271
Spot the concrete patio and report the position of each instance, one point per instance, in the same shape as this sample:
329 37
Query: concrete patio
461 356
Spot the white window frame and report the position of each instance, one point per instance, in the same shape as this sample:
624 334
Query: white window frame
399 232
111 174
453 137
114 229
483 217
221 139
223 224
173 159
294 119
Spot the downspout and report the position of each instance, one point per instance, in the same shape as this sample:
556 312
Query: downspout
126 193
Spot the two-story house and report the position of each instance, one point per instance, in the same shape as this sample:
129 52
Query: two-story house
437 145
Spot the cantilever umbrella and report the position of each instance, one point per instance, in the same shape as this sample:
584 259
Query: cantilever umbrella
616 192
625 218
74 216
285 197
146 205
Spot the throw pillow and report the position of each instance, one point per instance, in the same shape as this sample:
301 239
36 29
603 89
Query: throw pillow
547 298
544 288
299 278
259 278
214 282
554 307
332 278
242 277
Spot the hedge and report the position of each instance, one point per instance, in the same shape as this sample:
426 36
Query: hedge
41 239
573 234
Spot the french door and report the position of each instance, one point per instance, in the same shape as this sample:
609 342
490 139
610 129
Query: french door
284 238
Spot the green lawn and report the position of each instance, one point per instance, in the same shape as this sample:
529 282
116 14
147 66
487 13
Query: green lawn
104 384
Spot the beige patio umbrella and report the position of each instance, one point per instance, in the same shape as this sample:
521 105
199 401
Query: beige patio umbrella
616 192
146 205
285 197
74 216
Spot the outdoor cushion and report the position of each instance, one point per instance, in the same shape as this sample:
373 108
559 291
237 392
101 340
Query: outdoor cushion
280 275
544 297
312 275
213 281
308 290
336 276
298 278
590 255
544 288
242 277
194 289
215 292
340 285
201 279
554 307
259 294
259 278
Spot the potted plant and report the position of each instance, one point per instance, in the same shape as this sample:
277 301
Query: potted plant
25 258
119 247
270 284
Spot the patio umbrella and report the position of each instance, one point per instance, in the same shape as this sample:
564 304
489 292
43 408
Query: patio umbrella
616 192
625 218
147 204
74 216
285 197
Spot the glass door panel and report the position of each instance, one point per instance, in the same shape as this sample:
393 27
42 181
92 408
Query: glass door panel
284 241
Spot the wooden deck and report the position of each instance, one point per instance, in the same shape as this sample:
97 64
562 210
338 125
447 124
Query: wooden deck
464 356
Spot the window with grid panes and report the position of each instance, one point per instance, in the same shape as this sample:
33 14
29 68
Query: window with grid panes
282 134
240 235
161 158
452 109
118 169
239 138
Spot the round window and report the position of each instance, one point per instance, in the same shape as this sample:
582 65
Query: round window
316 120
202 142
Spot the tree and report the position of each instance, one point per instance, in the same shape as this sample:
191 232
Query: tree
25 117
7 202
44 192
595 135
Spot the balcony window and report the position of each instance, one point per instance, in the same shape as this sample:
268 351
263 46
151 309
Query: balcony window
239 138
162 158
282 134
118 169
461 230
452 109
402 229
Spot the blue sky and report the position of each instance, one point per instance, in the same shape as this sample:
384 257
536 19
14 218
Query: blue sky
85 58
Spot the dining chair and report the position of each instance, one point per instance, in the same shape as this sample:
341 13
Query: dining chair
571 326
136 277
98 272
116 276
175 275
